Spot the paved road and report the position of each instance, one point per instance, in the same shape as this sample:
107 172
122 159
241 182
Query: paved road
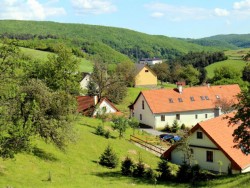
152 131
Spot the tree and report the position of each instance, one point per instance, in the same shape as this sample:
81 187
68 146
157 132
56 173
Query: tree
246 57
242 132
108 158
120 123
162 71
163 168
127 70
134 124
225 105
127 166
35 111
246 72
190 75
225 72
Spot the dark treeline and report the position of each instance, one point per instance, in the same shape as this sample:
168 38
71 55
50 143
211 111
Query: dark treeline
27 36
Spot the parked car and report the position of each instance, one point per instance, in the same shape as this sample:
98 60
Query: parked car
169 137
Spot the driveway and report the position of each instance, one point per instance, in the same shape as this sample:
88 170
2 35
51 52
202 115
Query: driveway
152 131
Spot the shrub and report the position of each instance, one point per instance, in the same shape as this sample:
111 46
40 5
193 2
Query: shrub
127 166
163 168
166 128
183 126
108 158
150 174
139 170
99 130
175 126
184 174
107 134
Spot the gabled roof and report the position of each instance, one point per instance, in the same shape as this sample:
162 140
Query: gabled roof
170 100
139 67
85 102
109 102
220 133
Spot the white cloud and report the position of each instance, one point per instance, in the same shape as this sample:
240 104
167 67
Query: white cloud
242 5
221 12
27 10
157 14
179 13
93 6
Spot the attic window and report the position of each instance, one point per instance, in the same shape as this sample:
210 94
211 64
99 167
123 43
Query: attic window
206 97
199 135
192 98
217 97
146 70
170 100
202 98
180 100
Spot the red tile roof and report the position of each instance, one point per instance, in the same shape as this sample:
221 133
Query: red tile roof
158 100
85 102
220 133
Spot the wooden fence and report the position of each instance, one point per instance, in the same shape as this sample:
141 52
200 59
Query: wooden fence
147 145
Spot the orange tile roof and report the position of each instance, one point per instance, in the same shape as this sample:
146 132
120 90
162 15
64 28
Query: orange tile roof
85 102
218 130
158 100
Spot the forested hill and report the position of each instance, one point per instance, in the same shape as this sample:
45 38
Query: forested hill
231 41
100 39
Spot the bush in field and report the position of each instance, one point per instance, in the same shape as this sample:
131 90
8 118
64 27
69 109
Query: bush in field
164 170
184 174
175 126
127 166
139 170
109 158
99 130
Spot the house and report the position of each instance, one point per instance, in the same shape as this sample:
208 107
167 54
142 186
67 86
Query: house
90 106
150 61
85 80
158 108
145 76
211 143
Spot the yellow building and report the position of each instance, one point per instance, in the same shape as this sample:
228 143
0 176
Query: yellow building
145 76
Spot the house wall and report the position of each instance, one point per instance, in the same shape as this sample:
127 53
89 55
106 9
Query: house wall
200 154
188 118
147 116
144 78
84 82
104 104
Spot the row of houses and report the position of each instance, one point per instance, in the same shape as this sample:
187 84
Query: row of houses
199 108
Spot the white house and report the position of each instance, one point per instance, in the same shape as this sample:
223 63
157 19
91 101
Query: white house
150 61
212 147
85 80
157 108
90 106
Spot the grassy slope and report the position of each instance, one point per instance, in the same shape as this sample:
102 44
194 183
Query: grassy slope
234 60
76 167
85 65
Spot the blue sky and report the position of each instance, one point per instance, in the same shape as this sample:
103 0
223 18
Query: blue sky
173 18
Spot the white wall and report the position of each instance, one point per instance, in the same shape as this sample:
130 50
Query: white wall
109 108
85 81
147 116
188 118
200 154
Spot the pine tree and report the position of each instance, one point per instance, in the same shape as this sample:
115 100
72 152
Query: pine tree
109 158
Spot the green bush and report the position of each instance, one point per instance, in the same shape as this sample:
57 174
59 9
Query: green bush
184 174
183 126
164 170
175 126
127 166
99 130
139 170
108 158
166 128
107 134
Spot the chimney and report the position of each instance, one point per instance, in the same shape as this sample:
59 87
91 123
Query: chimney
179 87
95 99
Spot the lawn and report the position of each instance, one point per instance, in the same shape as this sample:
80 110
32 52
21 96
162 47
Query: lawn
237 54
85 65
235 64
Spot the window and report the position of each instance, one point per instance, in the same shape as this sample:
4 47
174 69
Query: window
205 115
178 116
170 100
180 100
199 135
140 116
202 98
206 97
162 117
142 105
196 116
192 98
209 156
146 70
